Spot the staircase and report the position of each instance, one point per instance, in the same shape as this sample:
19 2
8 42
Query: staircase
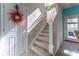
40 46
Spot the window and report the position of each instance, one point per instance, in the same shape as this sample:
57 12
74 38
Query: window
72 24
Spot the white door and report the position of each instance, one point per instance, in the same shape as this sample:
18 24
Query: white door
13 35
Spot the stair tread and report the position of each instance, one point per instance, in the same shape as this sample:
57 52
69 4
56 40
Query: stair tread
32 53
43 39
45 31
46 28
44 34
39 51
42 45
47 25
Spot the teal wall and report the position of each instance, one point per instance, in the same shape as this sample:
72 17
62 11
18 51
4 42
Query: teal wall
67 12
71 10
62 26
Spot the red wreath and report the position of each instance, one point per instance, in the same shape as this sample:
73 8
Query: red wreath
16 16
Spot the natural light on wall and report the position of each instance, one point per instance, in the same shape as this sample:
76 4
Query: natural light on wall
7 44
50 6
33 17
71 53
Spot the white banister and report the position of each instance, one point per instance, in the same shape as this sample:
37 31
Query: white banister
51 46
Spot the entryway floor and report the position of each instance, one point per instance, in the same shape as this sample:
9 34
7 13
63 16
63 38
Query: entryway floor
68 48
71 48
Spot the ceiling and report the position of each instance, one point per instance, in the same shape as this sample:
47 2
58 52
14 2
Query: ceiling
67 5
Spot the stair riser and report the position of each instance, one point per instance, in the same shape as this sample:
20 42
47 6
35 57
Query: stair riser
42 35
43 46
43 40
46 28
45 31
39 51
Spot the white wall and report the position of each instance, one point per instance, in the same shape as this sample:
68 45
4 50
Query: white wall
57 31
32 6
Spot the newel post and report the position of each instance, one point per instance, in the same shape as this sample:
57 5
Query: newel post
51 46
